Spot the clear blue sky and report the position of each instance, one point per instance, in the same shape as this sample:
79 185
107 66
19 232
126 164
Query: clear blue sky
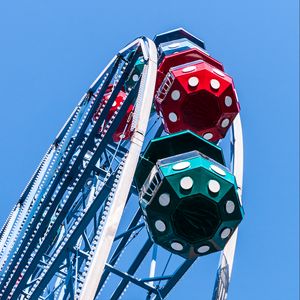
51 51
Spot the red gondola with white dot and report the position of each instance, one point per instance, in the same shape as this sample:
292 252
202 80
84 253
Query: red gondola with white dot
193 91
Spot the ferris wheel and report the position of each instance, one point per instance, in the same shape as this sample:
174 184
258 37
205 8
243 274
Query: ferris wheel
143 179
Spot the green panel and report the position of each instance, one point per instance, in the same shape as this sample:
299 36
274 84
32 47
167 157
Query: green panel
143 169
174 199
208 164
199 207
217 238
194 162
197 178
238 213
201 178
182 142
203 184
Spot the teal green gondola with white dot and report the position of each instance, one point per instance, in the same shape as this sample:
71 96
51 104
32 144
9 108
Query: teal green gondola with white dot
188 197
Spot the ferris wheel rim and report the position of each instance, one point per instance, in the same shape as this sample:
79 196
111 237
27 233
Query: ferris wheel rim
227 255
104 245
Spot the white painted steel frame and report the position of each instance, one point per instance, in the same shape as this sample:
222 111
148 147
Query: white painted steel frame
227 255
144 103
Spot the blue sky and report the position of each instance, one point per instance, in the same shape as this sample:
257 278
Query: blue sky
51 51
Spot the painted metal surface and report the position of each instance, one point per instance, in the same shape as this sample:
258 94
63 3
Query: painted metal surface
190 202
74 233
197 96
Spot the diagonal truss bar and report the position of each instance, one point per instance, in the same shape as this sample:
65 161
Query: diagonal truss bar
128 232
73 238
132 269
118 251
76 163
175 278
131 278
72 196
33 225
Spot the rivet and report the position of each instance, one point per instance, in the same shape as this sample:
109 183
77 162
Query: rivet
225 233
219 72
172 117
135 77
186 182
218 170
189 69
181 165
228 101
175 95
208 136
225 123
177 246
230 207
203 249
215 84
160 225
214 186
193 81
164 199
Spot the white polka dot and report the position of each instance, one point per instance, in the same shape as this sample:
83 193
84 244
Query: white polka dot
193 81
225 123
218 170
186 183
208 136
189 69
115 103
181 165
135 77
177 246
228 101
219 72
174 45
164 199
225 233
215 84
172 117
214 186
160 225
230 206
122 136
203 249
175 95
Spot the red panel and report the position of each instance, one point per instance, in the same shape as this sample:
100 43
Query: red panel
201 98
184 57
121 132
